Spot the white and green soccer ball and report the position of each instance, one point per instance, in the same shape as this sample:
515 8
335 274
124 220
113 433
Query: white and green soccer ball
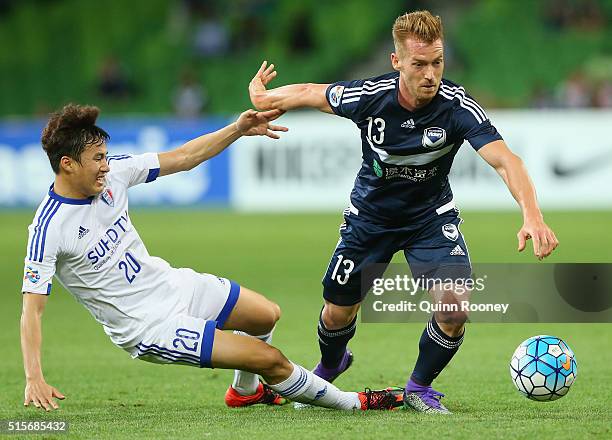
543 368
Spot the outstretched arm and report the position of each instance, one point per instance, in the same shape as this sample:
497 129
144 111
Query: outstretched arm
198 150
288 97
511 169
37 391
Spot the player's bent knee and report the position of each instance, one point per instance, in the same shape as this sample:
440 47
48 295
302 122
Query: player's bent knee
276 313
337 317
451 320
270 317
272 363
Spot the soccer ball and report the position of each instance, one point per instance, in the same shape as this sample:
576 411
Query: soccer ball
543 368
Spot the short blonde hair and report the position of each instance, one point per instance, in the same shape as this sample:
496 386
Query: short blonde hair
420 25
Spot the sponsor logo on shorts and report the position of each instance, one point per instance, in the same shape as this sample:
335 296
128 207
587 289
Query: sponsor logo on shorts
450 231
335 95
31 275
457 251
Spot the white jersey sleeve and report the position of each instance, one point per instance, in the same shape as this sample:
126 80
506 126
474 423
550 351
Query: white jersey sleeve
42 251
133 170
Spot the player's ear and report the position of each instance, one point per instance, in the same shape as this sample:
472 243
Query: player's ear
395 61
67 164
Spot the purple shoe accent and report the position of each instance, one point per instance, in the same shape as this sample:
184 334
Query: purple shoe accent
413 387
427 394
330 374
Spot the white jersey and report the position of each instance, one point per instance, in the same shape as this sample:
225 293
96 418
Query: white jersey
92 248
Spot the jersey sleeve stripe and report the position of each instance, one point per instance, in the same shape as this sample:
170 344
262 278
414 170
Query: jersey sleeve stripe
118 158
36 238
44 231
371 84
462 104
468 101
382 81
368 92
472 104
153 173
37 227
460 92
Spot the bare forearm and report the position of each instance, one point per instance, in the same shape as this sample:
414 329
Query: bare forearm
31 341
292 97
521 187
209 145
283 98
198 150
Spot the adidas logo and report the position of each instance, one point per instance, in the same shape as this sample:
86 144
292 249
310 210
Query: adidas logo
457 251
408 124
82 232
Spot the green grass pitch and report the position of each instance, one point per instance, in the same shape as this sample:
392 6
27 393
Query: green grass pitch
283 256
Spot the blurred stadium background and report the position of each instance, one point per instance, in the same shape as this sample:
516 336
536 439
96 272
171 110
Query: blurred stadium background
266 212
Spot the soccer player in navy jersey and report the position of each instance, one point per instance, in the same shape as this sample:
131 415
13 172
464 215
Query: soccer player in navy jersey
412 123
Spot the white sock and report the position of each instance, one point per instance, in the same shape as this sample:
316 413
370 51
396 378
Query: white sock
304 387
246 383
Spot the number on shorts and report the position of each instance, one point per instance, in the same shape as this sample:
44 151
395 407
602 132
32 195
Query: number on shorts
349 265
186 337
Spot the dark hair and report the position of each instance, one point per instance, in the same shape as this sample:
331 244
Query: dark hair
69 131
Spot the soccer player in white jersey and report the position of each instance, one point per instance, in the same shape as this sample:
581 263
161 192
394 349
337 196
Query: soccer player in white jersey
412 122
83 236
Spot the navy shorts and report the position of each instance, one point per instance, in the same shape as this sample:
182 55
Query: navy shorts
428 247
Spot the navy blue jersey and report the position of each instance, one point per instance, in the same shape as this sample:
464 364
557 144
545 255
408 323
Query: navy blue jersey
407 155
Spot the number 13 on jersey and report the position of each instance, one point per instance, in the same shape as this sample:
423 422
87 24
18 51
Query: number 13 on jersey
378 138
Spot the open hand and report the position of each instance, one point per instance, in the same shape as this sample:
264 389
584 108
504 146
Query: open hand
258 84
42 395
253 123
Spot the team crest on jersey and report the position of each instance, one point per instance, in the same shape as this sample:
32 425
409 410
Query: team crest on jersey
434 138
107 197
31 275
450 231
335 95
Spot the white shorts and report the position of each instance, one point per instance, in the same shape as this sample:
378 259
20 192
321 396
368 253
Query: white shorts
186 337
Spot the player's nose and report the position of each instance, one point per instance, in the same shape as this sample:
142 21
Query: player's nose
429 74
